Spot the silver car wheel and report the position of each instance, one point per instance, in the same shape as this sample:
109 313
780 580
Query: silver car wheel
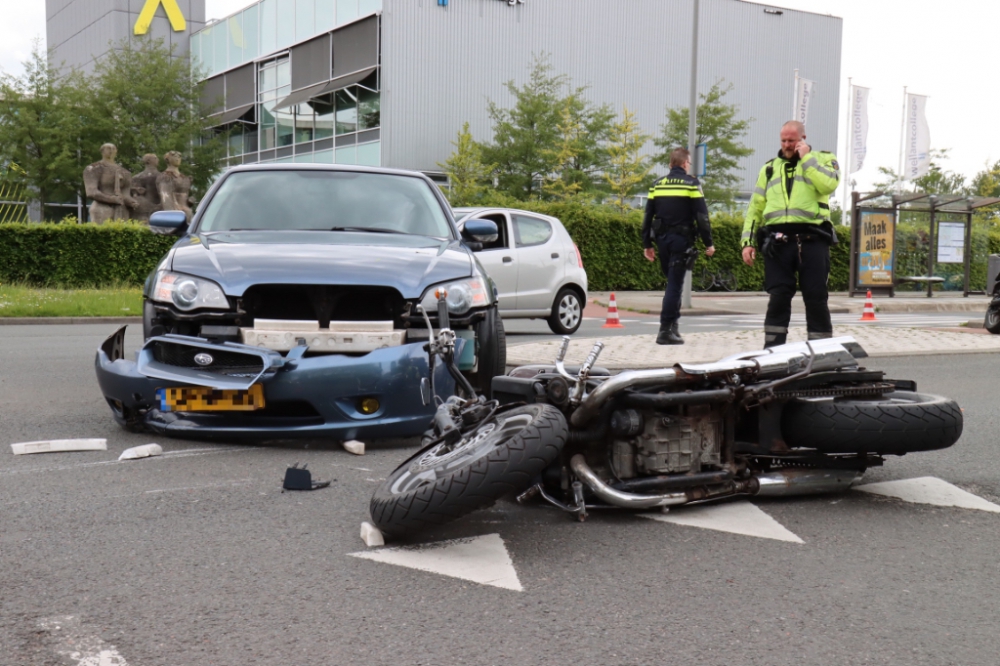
569 311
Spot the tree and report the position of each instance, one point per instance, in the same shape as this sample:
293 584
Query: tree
935 181
717 127
986 183
527 139
561 184
627 168
468 174
145 100
40 125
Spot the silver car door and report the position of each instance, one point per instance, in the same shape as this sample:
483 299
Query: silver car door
498 260
542 262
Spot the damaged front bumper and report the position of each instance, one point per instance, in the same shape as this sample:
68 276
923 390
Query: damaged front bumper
305 396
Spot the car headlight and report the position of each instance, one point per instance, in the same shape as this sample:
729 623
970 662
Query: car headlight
462 296
188 292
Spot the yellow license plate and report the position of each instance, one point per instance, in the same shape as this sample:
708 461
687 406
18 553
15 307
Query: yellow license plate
204 399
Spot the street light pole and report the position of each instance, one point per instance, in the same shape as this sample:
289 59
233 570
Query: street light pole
692 132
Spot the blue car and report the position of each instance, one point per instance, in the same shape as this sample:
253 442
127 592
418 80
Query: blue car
298 303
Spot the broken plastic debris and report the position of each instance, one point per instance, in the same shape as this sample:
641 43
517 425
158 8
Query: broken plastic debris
300 478
355 447
144 451
59 445
371 535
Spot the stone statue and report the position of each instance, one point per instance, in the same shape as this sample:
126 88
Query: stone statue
110 186
175 187
145 190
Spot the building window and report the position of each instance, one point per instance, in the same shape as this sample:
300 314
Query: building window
323 106
277 126
347 111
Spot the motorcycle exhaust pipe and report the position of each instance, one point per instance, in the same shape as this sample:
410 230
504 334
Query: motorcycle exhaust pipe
787 482
617 497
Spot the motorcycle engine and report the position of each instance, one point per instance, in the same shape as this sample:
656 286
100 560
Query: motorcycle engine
649 443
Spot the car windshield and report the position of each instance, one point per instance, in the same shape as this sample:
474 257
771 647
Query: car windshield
317 200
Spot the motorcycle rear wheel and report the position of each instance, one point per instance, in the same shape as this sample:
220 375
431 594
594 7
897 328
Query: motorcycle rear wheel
900 422
992 321
504 454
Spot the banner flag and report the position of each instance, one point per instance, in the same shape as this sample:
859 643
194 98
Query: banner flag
859 128
918 138
804 90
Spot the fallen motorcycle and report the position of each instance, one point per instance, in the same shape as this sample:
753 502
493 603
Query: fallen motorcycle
801 418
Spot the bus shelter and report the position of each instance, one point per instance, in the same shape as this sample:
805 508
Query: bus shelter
944 228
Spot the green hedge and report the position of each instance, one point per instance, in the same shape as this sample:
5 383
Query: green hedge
79 255
83 255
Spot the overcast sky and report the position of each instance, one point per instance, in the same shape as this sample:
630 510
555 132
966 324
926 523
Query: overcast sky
943 50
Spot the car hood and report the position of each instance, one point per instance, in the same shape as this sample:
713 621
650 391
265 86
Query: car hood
239 260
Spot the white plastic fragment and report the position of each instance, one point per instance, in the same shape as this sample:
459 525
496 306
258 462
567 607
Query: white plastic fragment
355 447
144 451
371 535
59 445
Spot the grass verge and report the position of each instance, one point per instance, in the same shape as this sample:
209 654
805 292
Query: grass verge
22 301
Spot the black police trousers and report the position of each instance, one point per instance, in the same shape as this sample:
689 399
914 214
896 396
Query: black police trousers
810 260
673 261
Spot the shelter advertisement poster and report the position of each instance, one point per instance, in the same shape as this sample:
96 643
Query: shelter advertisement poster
876 250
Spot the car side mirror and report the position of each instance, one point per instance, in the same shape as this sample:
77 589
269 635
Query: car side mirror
480 231
168 222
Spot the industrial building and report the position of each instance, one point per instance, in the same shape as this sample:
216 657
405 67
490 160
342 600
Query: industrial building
390 82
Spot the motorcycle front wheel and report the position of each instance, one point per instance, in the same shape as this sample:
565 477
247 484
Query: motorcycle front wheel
503 455
895 424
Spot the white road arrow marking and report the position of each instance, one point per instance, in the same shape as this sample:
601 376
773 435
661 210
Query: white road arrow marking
482 560
735 517
929 490
78 647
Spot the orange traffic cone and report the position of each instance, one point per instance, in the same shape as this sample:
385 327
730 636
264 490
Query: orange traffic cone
612 320
869 312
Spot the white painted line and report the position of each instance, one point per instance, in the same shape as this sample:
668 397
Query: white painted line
79 648
929 490
482 560
59 446
734 517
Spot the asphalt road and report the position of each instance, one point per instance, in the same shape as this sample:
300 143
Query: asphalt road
197 558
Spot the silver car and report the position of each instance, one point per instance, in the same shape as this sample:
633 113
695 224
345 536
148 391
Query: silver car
536 267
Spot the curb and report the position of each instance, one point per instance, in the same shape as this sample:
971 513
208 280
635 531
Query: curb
67 321
703 312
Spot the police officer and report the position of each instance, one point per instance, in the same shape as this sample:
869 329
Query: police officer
676 203
788 221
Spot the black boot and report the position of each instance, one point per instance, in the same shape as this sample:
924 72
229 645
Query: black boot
669 336
675 328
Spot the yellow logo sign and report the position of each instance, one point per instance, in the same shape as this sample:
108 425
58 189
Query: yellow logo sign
174 13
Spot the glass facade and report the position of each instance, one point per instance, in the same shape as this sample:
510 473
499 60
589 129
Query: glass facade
341 127
268 26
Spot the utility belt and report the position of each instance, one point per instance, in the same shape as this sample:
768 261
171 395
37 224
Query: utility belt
770 239
663 227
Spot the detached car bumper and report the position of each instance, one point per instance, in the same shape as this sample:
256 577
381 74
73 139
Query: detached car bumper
304 397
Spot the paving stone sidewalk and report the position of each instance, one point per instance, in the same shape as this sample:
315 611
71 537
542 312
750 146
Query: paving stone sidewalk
641 351
719 303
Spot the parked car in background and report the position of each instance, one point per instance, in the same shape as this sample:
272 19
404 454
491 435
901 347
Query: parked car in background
535 265
298 303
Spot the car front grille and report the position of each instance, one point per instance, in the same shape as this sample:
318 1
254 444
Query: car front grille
224 362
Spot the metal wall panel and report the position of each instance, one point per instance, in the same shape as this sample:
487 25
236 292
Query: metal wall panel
442 65
79 31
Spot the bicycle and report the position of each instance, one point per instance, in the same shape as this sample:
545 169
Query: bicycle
721 278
